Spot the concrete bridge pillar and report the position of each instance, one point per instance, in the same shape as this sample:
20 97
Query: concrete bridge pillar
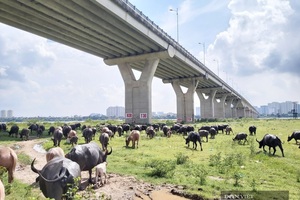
207 104
219 107
228 108
240 109
185 101
138 102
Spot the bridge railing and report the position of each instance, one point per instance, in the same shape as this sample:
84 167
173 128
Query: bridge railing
138 15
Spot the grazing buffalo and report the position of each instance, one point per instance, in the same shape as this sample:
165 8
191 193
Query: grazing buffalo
271 141
205 128
14 130
203 133
212 132
24 133
104 140
54 152
228 130
88 134
150 131
8 160
57 176
2 191
66 129
88 156
240 136
51 130
3 127
252 130
120 130
33 127
165 130
193 137
222 127
57 136
134 137
295 135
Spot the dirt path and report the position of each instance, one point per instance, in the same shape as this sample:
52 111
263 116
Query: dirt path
117 187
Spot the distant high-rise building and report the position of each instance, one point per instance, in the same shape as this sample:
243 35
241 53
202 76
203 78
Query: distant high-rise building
10 113
3 114
116 111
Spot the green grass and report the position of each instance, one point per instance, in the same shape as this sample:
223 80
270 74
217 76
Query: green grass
222 165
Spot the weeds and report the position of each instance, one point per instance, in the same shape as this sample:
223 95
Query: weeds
181 158
161 168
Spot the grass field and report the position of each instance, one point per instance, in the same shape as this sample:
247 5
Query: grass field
222 165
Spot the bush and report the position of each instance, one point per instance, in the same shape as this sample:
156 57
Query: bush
161 168
181 159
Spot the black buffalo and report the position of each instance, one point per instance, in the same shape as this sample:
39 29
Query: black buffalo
88 134
271 141
295 135
57 136
240 136
193 137
252 130
14 130
57 176
88 156
51 130
203 133
24 133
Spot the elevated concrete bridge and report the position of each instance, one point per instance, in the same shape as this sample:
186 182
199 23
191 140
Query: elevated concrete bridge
122 35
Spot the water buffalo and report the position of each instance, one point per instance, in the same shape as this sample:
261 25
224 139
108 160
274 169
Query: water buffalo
228 130
193 137
8 159
24 133
88 134
66 129
2 191
14 130
51 130
134 137
57 136
120 130
222 127
203 133
100 171
57 176
295 135
252 130
271 141
54 152
150 131
212 132
88 156
33 127
104 140
165 130
240 136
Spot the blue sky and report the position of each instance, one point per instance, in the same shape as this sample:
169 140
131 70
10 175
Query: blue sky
256 44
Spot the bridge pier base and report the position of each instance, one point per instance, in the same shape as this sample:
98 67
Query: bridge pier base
207 104
219 107
185 102
228 109
138 101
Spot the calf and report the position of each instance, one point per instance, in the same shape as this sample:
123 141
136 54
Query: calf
100 171
228 130
54 152
104 140
240 136
134 137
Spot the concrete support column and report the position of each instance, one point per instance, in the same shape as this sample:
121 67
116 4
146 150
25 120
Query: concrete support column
206 104
240 109
138 102
185 101
219 107
228 108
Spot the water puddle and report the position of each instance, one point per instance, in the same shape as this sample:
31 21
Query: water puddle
39 148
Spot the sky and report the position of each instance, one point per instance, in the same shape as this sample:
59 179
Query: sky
252 45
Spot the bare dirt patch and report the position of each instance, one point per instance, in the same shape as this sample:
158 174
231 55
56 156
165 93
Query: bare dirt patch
117 187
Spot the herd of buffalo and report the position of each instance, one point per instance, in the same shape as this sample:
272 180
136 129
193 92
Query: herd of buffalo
64 170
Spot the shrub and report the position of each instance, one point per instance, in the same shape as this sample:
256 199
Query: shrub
161 168
215 160
181 158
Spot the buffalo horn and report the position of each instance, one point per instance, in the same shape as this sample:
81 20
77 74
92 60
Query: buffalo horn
33 168
257 140
108 153
62 174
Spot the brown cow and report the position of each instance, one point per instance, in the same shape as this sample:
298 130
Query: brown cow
2 191
134 137
8 159
54 152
